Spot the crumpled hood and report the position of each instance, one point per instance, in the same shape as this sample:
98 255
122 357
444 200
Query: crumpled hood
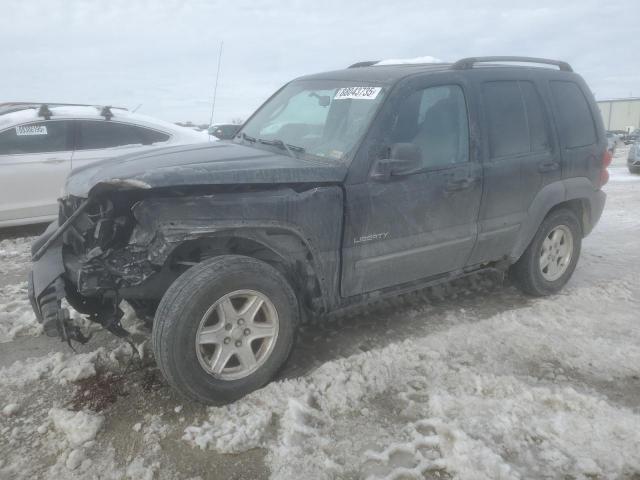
219 163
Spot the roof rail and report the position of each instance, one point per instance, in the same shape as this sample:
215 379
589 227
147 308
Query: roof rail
364 64
467 63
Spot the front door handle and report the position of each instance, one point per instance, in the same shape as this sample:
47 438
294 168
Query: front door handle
457 185
548 166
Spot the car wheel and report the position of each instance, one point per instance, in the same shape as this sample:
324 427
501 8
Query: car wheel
224 328
634 170
551 257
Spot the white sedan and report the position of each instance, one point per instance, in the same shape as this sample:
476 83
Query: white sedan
40 145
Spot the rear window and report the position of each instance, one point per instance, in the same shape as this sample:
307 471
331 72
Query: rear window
108 134
38 137
574 115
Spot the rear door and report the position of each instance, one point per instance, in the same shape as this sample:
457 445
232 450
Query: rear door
35 159
420 225
520 159
100 139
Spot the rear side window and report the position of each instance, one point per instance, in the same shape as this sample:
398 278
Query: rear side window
38 137
516 117
574 115
507 118
106 134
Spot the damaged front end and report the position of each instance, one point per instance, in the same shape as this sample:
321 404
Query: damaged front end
85 258
133 244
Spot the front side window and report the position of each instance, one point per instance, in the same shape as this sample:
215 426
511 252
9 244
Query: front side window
435 119
36 137
319 118
96 134
574 116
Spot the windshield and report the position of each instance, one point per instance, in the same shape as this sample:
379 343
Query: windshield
320 118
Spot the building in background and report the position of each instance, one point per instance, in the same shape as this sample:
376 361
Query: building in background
621 113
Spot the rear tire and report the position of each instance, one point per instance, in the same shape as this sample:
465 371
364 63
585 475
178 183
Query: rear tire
634 170
550 259
217 310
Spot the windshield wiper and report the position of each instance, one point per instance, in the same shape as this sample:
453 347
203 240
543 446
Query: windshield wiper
248 138
279 143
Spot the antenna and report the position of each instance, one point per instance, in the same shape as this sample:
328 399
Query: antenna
136 109
215 88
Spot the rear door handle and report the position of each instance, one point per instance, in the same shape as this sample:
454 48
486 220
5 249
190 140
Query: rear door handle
548 166
457 185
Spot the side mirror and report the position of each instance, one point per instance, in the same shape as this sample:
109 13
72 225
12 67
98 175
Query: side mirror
403 159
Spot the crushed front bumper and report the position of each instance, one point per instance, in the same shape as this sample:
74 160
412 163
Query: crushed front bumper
46 285
56 275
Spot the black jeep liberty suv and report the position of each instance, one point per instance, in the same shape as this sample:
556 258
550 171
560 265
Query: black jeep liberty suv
343 187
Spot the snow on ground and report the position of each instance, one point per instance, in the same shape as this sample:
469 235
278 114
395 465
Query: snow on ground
57 367
475 382
78 427
15 254
16 314
491 399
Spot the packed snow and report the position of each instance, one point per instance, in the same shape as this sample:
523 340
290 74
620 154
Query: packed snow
480 383
57 367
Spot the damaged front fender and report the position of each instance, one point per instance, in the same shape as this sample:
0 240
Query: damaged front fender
278 220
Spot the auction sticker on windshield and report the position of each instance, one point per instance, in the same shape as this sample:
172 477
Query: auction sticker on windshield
31 130
358 93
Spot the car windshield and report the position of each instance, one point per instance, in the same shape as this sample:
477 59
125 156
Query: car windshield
316 118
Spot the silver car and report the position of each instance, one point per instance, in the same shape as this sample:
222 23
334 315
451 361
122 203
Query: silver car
40 145
633 160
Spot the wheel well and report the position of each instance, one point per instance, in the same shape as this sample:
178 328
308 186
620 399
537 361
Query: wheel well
286 253
580 207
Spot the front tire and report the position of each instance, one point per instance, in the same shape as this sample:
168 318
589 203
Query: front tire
550 259
224 328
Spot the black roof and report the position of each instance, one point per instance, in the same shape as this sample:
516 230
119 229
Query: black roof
389 74
379 73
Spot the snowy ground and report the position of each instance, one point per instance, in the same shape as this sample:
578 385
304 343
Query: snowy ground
469 381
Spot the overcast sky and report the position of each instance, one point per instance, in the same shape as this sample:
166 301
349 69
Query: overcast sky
163 53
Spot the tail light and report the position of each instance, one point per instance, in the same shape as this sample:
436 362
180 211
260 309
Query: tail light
606 161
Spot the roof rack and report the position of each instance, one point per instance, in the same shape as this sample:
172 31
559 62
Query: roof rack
368 63
467 63
10 107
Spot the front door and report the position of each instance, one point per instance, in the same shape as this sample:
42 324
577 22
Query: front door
423 224
35 159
